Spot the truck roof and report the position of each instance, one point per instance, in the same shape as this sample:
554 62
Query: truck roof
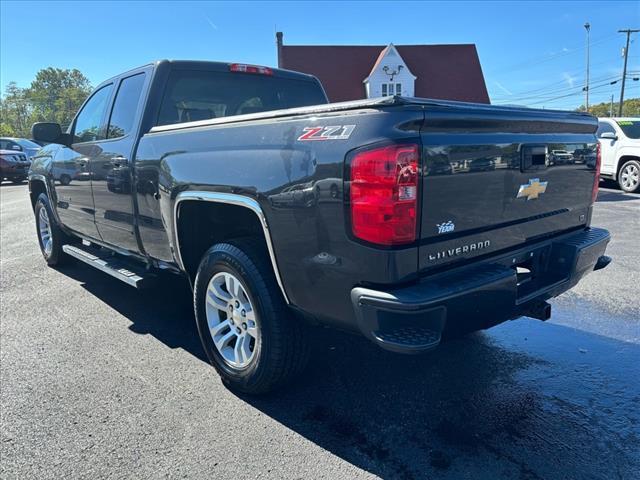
211 66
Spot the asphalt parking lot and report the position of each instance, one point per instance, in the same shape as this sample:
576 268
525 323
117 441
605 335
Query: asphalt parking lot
98 380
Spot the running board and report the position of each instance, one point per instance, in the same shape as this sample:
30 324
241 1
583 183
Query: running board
119 267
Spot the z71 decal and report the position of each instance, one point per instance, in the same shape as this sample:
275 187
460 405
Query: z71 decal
338 132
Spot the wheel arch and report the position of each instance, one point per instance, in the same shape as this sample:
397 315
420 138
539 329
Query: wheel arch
202 219
37 186
622 160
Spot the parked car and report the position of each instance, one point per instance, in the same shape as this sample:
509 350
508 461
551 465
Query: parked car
581 155
14 166
620 150
20 144
299 195
406 260
482 164
560 157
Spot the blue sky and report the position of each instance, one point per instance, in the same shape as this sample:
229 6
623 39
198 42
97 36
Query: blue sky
531 52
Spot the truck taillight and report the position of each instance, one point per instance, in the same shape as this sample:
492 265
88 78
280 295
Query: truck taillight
384 194
596 178
243 68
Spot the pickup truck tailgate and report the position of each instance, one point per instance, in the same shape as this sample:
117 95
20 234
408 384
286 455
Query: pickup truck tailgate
491 180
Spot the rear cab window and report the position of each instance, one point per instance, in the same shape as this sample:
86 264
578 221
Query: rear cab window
193 95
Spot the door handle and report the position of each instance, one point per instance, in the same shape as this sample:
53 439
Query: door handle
119 161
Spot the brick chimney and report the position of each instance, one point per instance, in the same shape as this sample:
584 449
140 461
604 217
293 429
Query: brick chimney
279 46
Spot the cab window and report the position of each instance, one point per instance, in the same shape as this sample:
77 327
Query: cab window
89 125
125 106
201 95
9 145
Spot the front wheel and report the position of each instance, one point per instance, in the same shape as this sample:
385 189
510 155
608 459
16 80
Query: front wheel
629 176
50 237
246 329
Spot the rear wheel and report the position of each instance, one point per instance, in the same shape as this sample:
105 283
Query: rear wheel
246 329
50 237
629 176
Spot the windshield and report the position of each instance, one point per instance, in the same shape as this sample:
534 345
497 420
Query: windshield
24 143
631 128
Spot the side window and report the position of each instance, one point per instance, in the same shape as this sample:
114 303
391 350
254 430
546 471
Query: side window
9 145
89 125
125 106
604 127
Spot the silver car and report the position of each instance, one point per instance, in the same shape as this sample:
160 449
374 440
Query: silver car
20 145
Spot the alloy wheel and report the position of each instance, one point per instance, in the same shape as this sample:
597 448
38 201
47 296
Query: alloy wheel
630 176
44 229
232 320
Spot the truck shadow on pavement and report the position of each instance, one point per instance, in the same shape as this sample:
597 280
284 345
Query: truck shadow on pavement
475 408
607 196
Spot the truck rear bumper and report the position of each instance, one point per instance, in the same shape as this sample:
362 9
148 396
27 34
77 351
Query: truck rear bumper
413 319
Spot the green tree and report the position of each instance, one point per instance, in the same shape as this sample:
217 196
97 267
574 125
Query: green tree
15 109
6 130
54 95
630 108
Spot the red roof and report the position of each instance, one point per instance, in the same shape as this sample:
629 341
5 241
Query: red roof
448 72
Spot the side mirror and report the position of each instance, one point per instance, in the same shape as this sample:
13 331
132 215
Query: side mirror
609 136
49 132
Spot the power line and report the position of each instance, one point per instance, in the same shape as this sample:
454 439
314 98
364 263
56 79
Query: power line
533 62
575 92
551 92
547 93
538 89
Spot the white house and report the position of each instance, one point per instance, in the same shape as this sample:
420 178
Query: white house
350 72
389 76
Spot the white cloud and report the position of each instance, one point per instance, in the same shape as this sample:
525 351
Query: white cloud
210 22
569 79
504 89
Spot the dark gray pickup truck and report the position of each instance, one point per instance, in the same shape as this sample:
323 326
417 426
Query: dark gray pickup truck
408 220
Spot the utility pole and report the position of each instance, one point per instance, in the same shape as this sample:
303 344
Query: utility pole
628 31
587 27
611 107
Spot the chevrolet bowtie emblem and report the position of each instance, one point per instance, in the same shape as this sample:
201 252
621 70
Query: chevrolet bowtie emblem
532 189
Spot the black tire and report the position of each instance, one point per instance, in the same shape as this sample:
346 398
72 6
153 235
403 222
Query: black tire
282 351
19 180
55 256
632 187
65 179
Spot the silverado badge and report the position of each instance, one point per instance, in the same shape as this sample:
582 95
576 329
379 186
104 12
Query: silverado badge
533 189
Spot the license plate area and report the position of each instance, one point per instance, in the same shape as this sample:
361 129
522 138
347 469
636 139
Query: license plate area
534 272
533 158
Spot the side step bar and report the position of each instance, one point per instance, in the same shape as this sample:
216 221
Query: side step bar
119 267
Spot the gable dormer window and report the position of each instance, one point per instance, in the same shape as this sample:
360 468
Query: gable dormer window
389 76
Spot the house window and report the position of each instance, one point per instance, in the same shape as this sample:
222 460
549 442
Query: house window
390 89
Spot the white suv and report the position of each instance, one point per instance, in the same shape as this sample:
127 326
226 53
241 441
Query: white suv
620 151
